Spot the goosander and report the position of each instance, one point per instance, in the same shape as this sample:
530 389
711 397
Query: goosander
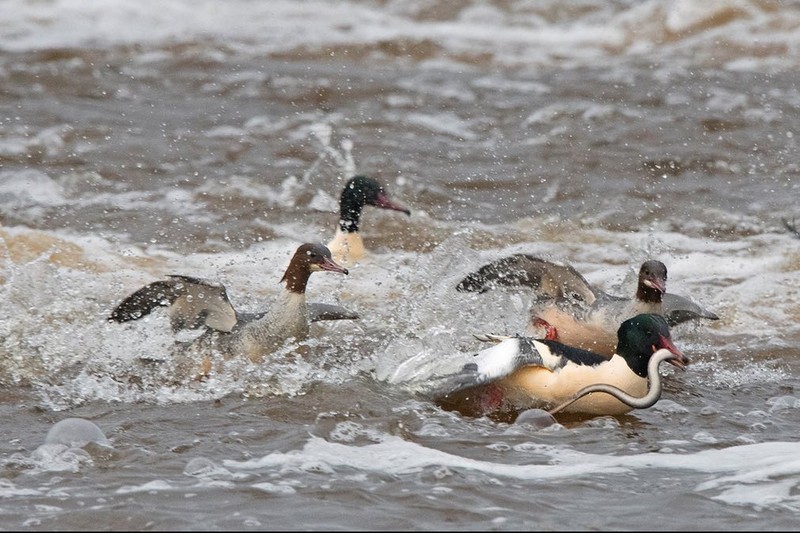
347 246
197 303
580 314
594 327
519 373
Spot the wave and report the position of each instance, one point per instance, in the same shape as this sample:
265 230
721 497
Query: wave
736 34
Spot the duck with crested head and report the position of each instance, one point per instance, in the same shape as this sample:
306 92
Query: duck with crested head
347 245
519 373
197 303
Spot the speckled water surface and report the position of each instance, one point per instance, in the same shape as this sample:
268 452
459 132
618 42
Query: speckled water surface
139 139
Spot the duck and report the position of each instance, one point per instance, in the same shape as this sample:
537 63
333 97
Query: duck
347 246
196 303
577 313
520 372
594 326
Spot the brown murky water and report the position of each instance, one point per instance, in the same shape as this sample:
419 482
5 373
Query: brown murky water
215 154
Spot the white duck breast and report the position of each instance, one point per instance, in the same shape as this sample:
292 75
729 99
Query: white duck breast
542 387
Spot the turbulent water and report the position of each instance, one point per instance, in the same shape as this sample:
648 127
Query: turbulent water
210 139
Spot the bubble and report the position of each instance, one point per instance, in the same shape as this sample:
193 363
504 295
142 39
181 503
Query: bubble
76 432
536 418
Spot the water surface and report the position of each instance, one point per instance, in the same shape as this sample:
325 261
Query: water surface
210 139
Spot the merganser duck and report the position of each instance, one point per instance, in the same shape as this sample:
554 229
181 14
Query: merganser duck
579 314
197 303
594 327
519 373
347 246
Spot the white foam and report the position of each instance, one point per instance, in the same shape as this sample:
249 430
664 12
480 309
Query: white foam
516 34
770 468
22 189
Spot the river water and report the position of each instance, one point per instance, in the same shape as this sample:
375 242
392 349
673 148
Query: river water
139 139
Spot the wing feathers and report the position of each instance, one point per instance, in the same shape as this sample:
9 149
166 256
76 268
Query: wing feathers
522 270
143 301
193 303
320 311
513 353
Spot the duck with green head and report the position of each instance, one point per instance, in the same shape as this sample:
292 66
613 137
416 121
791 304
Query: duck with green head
519 373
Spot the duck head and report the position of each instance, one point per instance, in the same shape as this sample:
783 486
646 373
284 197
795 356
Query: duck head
309 257
652 282
358 192
642 336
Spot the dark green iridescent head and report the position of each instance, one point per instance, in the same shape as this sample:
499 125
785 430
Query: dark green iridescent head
638 338
358 192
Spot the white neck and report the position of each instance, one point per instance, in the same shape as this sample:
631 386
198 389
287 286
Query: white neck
347 248
288 317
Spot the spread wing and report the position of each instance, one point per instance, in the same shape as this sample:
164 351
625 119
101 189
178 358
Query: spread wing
678 309
552 281
512 353
473 391
319 311
548 279
192 302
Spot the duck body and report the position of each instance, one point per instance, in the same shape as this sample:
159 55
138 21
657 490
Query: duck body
582 315
536 382
288 318
347 245
196 303
522 372
594 327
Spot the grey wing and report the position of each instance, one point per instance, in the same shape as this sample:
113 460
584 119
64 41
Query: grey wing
497 362
143 301
548 279
316 313
319 311
192 303
678 309
473 390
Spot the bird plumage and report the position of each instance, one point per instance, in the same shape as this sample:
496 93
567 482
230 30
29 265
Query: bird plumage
347 246
197 303
522 372
583 315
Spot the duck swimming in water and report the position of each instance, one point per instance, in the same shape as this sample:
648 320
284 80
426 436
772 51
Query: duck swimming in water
347 246
196 303
579 314
519 373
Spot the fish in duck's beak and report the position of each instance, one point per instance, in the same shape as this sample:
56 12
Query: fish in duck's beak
678 360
